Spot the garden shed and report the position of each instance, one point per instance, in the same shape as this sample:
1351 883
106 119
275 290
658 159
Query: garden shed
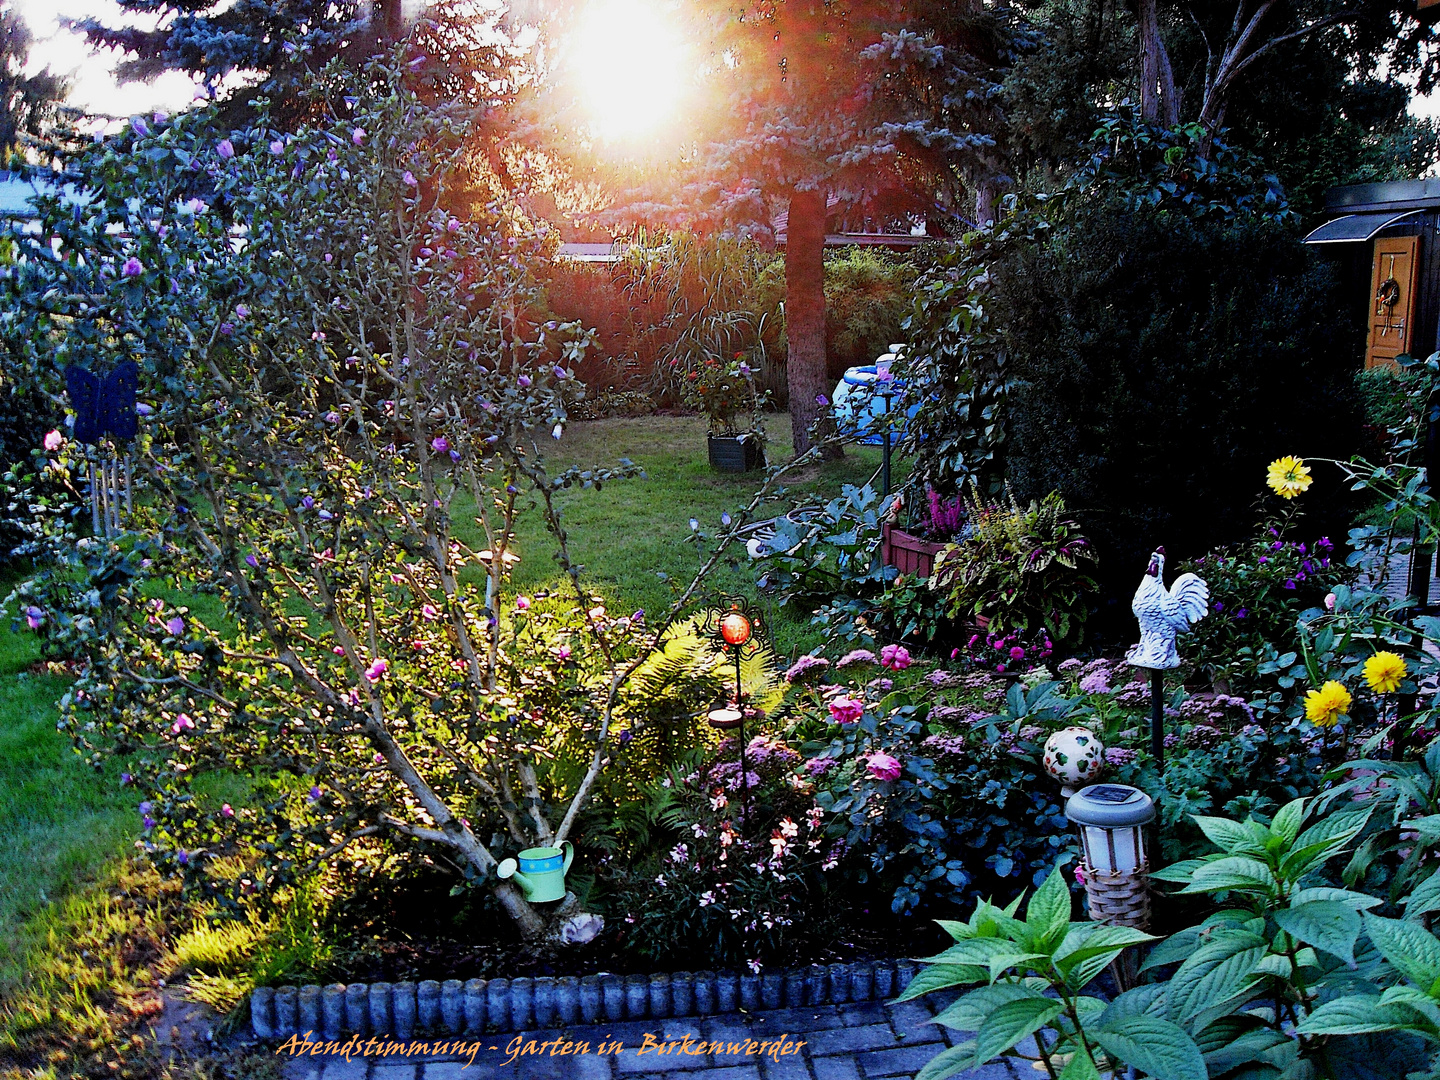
1384 236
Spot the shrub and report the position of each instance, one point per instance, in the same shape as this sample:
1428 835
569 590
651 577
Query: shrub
868 293
1024 569
725 393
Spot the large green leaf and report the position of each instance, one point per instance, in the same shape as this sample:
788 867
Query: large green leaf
1083 956
1232 837
1322 841
943 977
1011 1022
1173 949
1048 916
1287 820
1217 971
949 1062
1326 924
970 1011
958 930
1080 1067
1411 949
1232 872
1138 1001
1154 1046
1244 1049
1179 872
1357 900
975 951
1353 1015
1424 898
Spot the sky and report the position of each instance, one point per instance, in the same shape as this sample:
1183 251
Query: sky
94 87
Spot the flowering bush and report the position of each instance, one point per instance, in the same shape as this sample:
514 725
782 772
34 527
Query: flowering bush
724 393
328 398
744 878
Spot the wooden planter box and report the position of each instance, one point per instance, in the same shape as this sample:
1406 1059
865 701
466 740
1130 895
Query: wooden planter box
735 453
908 554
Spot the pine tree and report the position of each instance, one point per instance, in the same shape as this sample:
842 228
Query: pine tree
28 103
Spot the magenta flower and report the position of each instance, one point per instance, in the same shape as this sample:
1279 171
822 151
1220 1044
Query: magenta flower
226 811
34 617
358 136
563 652
182 723
895 657
225 149
440 444
845 710
1017 653
428 611
523 381
522 603
132 267
53 441
883 767
377 669
176 626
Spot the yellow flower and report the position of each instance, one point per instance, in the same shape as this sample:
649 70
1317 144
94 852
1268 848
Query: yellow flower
1288 476
1385 672
1325 706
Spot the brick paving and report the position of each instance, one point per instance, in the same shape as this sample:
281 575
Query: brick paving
860 1041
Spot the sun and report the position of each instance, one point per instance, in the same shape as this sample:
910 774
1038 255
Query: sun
629 60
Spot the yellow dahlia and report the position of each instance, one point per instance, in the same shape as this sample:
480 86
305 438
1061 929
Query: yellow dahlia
1385 671
1325 706
1288 476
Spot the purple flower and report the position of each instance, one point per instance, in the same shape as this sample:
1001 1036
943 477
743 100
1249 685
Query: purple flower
454 455
315 794
522 603
822 400
1219 605
805 665
358 136
308 502
176 626
1240 613
1118 755
524 382
1278 545
409 179
148 821
1290 583
125 778
241 311
883 767
182 723
440 444
138 125
1017 653
225 149
132 267
226 810
34 617
1323 544
227 328
182 857
895 657
561 374
277 147
856 656
253 562
145 807
1097 682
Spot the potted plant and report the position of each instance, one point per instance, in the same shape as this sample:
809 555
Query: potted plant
727 395
914 552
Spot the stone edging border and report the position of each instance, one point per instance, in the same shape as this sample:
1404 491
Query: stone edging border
404 1009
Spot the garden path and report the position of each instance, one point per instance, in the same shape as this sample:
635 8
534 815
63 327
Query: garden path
857 1041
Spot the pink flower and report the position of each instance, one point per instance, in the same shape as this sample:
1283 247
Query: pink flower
1017 653
523 381
225 149
176 626
182 723
844 710
338 650
895 657
522 603
225 810
883 767
277 147
53 441
358 136
428 611
1330 601
409 179
132 267
453 225
377 669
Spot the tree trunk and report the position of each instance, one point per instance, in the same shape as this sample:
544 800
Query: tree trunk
1158 104
805 314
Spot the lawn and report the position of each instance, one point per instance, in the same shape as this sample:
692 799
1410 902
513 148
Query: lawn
61 823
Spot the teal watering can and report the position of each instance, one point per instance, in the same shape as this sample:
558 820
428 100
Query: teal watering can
540 872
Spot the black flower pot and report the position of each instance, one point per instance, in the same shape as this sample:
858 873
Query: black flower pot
736 453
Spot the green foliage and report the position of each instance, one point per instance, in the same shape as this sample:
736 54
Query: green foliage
1022 568
868 293
725 392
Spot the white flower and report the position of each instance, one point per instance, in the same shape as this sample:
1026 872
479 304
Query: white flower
660 880
753 965
707 898
719 802
789 828
680 854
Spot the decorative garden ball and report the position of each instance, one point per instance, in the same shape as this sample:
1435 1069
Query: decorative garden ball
1074 756
735 628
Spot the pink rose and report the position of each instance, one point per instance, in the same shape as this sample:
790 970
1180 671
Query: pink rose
844 710
895 657
883 767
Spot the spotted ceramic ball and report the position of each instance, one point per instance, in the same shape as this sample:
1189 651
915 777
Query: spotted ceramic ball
1074 755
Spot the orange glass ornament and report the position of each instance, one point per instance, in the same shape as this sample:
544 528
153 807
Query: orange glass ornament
735 628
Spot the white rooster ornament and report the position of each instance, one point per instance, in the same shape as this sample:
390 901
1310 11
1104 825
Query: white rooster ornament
1164 613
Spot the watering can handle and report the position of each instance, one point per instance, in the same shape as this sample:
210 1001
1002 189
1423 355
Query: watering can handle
569 854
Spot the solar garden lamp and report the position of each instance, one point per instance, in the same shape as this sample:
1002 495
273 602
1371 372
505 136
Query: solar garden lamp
1111 820
734 627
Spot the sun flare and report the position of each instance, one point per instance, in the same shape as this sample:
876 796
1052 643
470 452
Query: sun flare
630 65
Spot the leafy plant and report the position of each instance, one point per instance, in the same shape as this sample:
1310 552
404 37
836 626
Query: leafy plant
724 393
1022 568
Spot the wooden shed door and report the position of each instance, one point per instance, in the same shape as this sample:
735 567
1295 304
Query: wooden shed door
1392 299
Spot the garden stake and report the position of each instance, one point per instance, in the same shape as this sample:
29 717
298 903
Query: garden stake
1157 717
735 626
